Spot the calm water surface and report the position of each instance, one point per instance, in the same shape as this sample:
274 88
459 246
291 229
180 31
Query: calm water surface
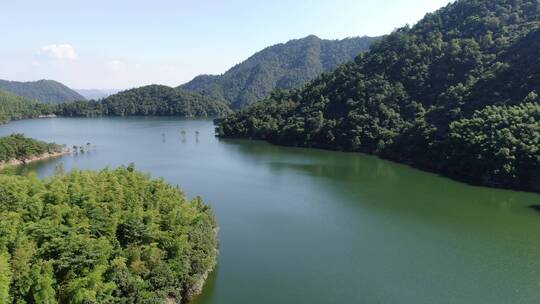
309 226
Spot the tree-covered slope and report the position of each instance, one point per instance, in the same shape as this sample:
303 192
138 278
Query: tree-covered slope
46 91
457 94
282 66
152 100
101 237
13 107
19 147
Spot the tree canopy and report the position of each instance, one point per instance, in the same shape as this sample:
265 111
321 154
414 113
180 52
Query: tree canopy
13 107
154 100
19 147
114 236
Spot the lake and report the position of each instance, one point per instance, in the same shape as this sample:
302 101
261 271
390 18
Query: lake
311 226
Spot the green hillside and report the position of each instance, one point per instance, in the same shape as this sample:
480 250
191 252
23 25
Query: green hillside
457 94
281 66
19 147
152 100
46 91
13 107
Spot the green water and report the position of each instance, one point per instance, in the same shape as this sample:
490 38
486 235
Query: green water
310 226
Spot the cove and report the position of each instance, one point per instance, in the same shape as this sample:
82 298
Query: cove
312 226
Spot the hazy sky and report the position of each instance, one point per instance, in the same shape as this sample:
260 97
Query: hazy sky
127 43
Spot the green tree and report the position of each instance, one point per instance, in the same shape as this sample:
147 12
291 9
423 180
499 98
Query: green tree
114 236
5 278
43 287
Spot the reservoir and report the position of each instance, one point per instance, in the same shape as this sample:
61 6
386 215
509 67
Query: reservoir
313 226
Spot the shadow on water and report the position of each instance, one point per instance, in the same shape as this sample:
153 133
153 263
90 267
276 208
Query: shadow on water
208 296
535 207
367 181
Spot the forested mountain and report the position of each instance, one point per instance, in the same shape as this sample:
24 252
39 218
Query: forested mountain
47 91
281 66
152 100
456 94
114 236
13 107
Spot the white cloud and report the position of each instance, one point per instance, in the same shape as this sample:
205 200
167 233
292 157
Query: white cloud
99 72
58 51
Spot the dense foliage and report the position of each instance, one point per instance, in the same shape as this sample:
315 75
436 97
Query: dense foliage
507 136
13 107
18 147
46 91
281 66
101 237
149 100
457 93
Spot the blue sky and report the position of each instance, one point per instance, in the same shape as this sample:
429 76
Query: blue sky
122 44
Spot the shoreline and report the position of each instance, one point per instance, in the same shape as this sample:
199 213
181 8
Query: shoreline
444 173
197 287
31 159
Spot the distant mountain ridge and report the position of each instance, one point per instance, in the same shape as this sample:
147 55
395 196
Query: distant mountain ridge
281 66
96 93
150 100
46 91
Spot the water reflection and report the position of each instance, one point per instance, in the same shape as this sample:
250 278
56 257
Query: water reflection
183 136
370 182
